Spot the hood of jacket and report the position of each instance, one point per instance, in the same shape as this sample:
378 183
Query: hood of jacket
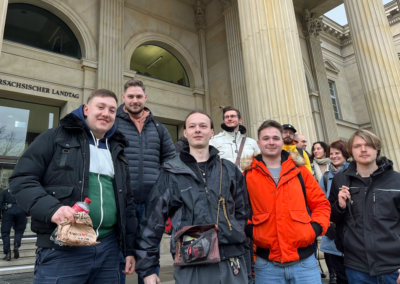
76 119
242 129
249 162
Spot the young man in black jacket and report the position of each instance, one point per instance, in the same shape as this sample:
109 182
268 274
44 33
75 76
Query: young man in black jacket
365 201
83 157
188 190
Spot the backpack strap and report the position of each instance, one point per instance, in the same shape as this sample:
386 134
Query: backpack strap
303 187
160 130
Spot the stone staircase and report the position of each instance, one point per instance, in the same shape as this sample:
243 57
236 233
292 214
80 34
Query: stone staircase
26 260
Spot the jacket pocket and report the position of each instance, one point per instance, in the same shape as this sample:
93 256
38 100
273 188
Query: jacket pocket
66 155
384 202
300 230
61 193
263 231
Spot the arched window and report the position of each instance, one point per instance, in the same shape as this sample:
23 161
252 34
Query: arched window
156 62
34 26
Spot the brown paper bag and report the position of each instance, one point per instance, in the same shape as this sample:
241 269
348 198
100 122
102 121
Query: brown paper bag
81 234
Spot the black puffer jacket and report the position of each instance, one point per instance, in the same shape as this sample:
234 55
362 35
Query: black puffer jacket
145 152
54 171
370 227
180 192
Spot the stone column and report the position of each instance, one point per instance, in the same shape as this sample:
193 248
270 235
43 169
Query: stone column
275 79
111 50
311 28
379 68
3 14
236 63
199 10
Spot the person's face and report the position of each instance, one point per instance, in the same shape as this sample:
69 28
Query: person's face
270 142
198 130
288 135
100 115
231 119
363 153
302 143
134 99
336 157
319 152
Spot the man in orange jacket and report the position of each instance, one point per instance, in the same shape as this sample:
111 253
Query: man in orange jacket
289 210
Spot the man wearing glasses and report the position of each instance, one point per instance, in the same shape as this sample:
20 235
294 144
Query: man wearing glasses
229 141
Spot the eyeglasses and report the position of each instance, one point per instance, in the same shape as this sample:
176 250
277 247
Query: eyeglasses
288 132
230 116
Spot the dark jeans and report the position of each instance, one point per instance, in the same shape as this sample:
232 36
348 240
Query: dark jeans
94 264
357 277
13 217
139 208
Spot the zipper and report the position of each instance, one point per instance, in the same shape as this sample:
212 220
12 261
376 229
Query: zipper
84 167
140 163
374 204
388 190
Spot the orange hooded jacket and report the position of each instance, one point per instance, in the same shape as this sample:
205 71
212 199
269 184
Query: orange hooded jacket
283 230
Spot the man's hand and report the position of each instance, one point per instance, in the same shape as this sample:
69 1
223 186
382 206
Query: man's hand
129 265
62 213
344 195
398 279
152 279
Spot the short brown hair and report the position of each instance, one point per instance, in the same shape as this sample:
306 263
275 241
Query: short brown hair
228 108
134 83
201 112
102 93
341 146
369 137
270 123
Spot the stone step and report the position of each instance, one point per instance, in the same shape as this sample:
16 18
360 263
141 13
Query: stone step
17 262
16 270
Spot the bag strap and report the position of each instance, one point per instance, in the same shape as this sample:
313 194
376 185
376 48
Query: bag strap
303 187
240 151
222 200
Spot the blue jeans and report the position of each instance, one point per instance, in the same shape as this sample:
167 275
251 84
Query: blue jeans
95 264
305 271
357 277
139 208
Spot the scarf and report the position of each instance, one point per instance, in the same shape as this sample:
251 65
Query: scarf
317 170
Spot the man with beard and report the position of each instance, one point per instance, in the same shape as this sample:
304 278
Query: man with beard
290 144
149 144
228 142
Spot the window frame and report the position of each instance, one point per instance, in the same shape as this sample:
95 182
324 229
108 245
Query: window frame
333 95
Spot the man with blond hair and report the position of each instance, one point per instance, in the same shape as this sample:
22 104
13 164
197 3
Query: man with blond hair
365 202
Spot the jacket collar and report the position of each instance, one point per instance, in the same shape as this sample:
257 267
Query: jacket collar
289 167
384 165
242 129
71 121
124 115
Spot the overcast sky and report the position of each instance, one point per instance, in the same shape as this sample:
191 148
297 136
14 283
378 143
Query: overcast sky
339 15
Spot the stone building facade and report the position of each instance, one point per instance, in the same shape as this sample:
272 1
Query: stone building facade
272 59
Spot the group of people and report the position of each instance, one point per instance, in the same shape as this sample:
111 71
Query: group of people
268 192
